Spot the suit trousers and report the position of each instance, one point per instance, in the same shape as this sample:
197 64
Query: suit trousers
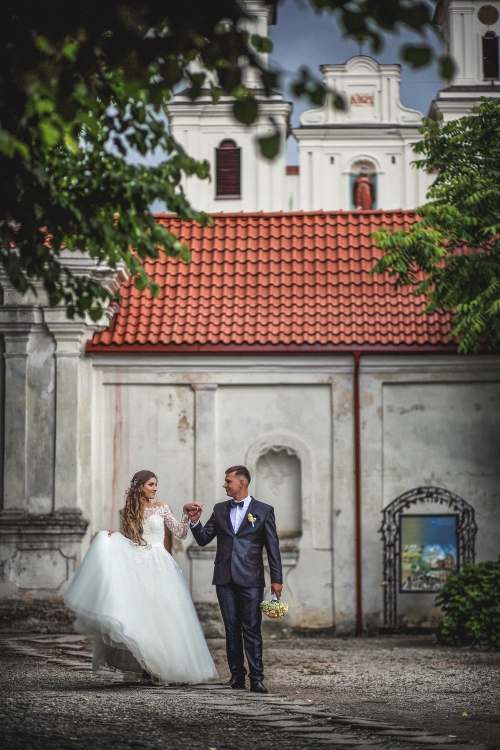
240 608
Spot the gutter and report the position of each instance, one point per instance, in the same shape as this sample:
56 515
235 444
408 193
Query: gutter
357 496
162 349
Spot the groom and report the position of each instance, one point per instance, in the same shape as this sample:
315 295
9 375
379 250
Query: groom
243 527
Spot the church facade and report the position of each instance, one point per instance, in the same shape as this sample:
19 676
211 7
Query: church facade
371 136
275 348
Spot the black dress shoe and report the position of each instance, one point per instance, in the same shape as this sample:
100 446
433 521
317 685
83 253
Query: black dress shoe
257 686
237 683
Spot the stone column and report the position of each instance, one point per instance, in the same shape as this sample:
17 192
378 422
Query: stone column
70 337
73 417
29 404
16 329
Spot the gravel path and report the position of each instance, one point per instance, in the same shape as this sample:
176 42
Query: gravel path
386 693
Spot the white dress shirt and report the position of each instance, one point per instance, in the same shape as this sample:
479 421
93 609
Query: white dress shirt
237 514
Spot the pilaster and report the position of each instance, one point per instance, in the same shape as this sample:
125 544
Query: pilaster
462 43
71 386
205 430
28 437
202 559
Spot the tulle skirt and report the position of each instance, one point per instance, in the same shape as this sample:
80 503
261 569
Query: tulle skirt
135 602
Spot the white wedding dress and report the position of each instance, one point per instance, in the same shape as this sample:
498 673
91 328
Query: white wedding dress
134 601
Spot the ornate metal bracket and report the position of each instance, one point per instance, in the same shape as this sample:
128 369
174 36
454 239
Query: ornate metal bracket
390 530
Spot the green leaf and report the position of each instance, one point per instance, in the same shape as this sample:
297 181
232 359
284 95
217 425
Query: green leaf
10 145
339 102
70 50
446 68
185 253
44 45
49 133
71 143
417 55
246 110
309 87
261 43
269 145
197 80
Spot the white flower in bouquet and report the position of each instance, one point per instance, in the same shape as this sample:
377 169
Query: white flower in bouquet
275 609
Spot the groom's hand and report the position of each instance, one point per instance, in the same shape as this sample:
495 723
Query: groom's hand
194 511
276 589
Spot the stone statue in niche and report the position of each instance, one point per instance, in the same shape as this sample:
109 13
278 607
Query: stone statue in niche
363 192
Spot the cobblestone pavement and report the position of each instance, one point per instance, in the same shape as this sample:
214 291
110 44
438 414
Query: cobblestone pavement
387 693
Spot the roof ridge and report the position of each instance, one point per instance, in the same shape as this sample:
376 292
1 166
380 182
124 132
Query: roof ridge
315 212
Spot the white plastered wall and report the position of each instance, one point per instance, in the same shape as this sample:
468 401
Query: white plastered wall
425 420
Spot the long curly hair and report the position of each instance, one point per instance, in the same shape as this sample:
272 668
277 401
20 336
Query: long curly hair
132 522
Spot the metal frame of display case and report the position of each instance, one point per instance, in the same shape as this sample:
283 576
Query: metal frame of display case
391 528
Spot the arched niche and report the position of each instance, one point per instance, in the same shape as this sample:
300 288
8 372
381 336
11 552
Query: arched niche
281 467
391 536
278 483
363 184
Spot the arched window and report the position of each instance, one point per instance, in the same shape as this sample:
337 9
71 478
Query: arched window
490 56
228 170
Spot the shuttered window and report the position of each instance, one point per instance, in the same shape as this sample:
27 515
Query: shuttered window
490 56
228 170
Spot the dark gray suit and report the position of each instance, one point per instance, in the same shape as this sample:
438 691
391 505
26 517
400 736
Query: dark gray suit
239 577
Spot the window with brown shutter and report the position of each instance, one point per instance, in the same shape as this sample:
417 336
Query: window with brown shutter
228 170
490 56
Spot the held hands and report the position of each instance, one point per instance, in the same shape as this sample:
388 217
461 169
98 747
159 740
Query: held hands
194 511
276 589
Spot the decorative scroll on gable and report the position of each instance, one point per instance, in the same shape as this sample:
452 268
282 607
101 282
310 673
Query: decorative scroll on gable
370 91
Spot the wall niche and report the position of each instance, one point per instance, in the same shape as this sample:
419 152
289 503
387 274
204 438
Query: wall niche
278 483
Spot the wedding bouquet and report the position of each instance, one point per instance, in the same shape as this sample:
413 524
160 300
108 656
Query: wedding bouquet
275 609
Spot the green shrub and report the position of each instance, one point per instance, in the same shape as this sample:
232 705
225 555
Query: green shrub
471 603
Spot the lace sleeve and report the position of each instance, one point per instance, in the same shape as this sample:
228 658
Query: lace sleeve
179 529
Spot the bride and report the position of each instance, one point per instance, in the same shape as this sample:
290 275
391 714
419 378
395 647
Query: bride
131 596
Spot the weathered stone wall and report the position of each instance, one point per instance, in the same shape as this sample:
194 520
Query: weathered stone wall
78 427
425 420
46 420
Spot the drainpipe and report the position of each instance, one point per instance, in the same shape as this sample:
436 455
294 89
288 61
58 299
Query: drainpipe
357 497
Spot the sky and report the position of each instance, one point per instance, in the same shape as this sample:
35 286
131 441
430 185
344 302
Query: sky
302 37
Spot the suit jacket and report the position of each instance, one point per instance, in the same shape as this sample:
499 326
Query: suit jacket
239 556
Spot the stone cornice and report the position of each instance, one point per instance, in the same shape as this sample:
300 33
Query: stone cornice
23 526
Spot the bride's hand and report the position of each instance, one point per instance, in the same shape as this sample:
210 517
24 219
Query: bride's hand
110 532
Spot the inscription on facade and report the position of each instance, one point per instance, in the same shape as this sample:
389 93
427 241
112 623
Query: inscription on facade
361 100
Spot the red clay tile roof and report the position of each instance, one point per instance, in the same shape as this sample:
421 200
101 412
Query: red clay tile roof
274 282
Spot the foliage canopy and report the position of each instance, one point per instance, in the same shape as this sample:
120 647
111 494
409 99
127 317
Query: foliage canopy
82 85
452 254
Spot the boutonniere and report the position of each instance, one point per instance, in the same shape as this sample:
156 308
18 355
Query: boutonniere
251 519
